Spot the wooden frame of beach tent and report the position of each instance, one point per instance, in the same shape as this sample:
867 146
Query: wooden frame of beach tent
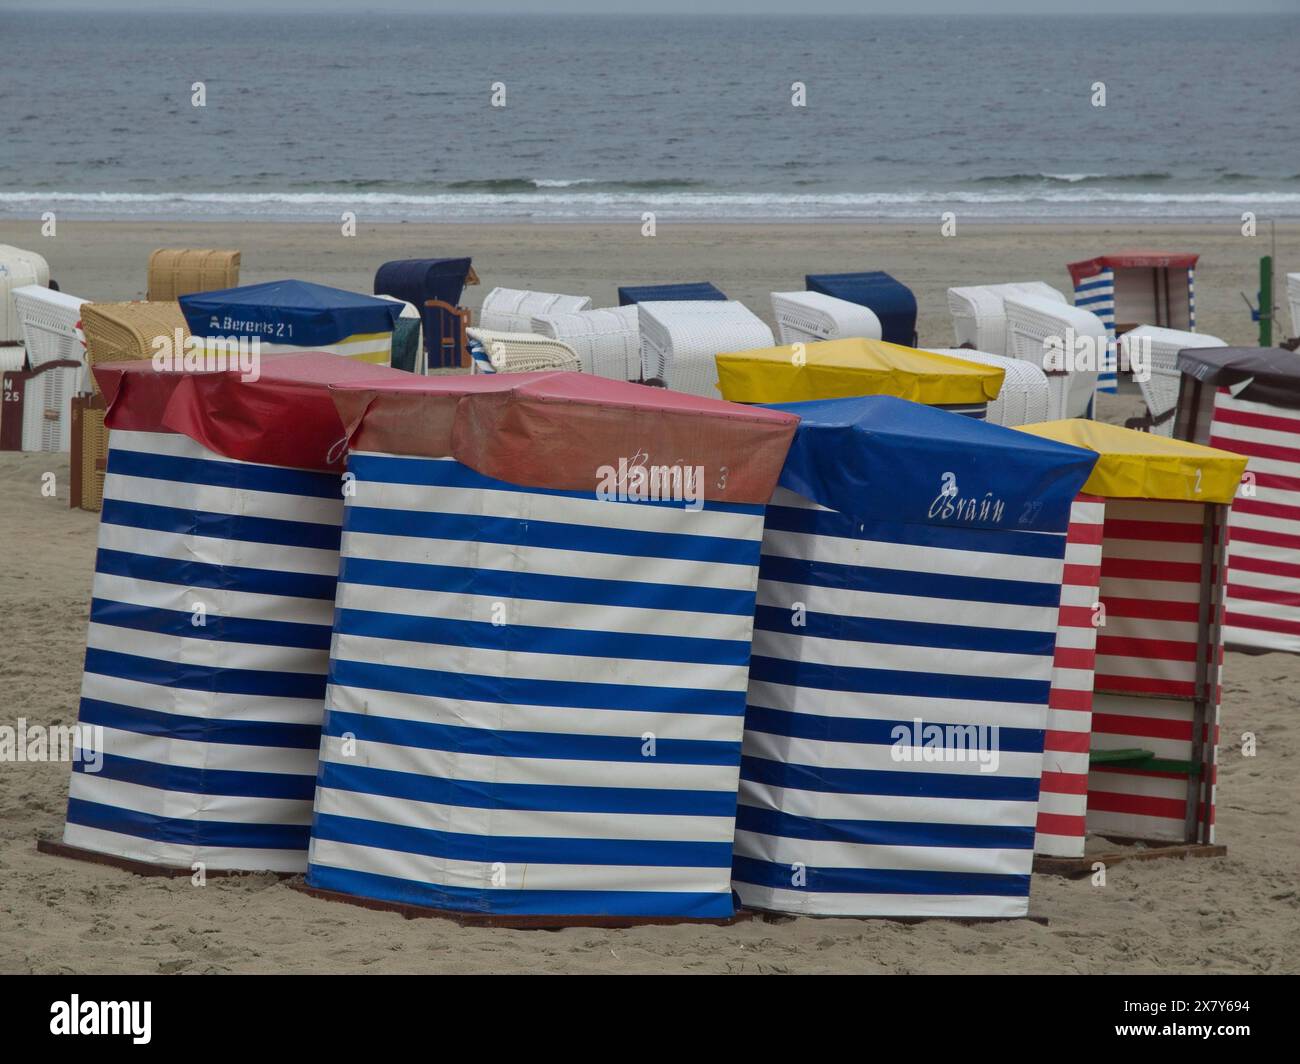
294 316
1293 302
1132 735
175 272
1132 288
512 310
885 296
687 291
835 369
213 594
436 287
1247 400
680 340
18 268
542 665
903 650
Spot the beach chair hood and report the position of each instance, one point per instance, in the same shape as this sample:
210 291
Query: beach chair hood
288 312
1256 374
286 417
494 424
1141 465
836 369
880 458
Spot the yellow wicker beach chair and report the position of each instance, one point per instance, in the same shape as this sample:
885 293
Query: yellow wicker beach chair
175 272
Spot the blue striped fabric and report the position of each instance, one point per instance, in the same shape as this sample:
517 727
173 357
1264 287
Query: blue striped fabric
866 633
536 698
210 730
1097 294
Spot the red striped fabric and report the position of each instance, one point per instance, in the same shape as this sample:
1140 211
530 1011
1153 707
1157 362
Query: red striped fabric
1262 608
1130 683
1063 795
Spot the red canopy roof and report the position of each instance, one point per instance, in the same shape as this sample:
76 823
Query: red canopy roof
1123 260
556 430
286 417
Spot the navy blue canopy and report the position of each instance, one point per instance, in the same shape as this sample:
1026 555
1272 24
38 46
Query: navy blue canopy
891 301
650 293
878 458
295 313
417 280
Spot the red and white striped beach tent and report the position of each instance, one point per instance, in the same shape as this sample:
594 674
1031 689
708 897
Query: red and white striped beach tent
1133 712
1247 400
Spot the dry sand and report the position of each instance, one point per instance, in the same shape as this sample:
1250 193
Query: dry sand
1240 913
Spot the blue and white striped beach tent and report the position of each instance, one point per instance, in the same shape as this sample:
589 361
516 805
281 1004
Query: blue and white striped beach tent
903 646
210 615
537 689
1134 288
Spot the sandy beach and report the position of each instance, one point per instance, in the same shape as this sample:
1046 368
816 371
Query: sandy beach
1239 913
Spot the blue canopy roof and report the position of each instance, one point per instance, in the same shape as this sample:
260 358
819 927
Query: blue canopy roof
288 312
650 293
878 458
891 300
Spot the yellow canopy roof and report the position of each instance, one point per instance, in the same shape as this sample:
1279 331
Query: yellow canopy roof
834 369
1141 465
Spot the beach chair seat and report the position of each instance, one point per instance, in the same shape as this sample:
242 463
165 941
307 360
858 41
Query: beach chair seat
1034 326
891 300
176 272
694 291
807 317
442 281
512 310
607 340
504 352
979 315
680 341
1160 391
1025 395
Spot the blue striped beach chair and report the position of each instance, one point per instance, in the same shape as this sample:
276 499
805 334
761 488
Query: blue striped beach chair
537 692
903 648
210 616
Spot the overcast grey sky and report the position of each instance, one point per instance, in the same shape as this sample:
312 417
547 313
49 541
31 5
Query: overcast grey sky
720 7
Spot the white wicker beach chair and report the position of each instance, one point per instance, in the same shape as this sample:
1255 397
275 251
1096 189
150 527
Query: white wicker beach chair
1034 322
503 352
680 341
1293 298
512 310
979 315
1161 391
607 341
51 326
18 269
1025 395
811 316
